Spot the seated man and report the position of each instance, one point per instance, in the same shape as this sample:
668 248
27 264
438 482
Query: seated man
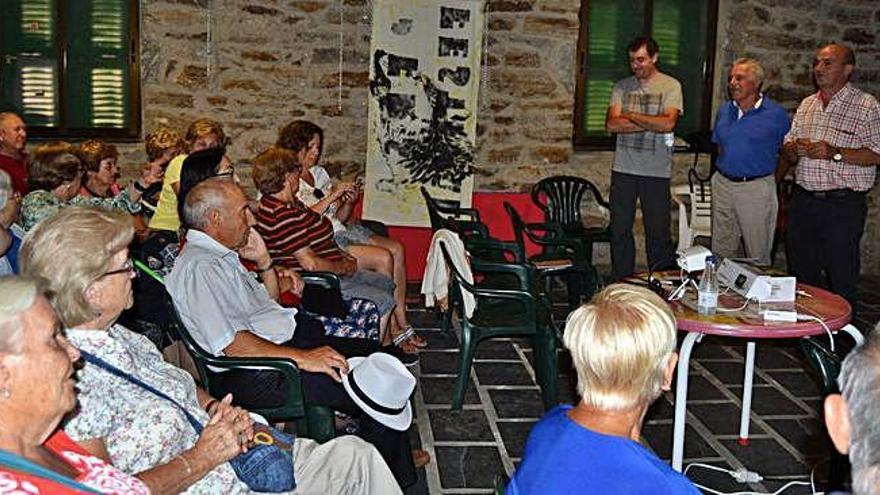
230 313
623 348
851 416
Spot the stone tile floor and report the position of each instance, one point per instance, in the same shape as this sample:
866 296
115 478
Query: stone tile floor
472 446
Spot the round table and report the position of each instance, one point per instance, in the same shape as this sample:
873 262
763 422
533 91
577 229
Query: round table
748 324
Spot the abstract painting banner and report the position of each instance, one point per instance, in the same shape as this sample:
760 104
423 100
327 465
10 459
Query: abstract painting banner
424 83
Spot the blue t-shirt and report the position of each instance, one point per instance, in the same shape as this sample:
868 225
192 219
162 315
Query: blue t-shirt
750 145
563 457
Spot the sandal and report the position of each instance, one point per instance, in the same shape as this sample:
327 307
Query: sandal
410 338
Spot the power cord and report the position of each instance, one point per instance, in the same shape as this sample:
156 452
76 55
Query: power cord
802 317
743 475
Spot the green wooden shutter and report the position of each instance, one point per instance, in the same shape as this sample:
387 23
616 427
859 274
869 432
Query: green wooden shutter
29 61
612 24
98 70
680 28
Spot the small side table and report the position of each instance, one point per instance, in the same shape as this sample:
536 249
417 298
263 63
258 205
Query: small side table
747 324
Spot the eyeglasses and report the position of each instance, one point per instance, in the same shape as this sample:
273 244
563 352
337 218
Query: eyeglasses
128 268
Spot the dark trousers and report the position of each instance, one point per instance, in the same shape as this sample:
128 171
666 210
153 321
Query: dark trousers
266 388
653 194
822 241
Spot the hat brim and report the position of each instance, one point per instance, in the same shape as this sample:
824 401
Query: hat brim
399 422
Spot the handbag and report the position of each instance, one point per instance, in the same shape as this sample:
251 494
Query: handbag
324 301
265 467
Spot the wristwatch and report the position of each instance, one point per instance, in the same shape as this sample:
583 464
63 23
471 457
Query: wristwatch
837 157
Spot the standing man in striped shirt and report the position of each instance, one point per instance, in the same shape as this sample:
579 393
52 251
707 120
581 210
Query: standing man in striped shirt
834 142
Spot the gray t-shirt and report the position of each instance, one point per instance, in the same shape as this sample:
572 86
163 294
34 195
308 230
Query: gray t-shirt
646 153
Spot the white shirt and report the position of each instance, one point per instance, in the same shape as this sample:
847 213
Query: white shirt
217 298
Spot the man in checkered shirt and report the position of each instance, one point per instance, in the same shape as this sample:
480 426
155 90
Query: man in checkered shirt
834 142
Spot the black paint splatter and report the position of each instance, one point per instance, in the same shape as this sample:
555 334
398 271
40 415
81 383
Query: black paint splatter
434 150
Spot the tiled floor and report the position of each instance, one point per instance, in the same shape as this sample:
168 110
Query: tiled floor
472 446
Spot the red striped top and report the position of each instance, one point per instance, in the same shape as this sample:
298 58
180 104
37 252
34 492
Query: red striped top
288 228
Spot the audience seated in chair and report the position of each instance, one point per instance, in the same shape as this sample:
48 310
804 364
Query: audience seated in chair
36 391
54 175
336 201
623 348
229 313
299 238
851 416
141 433
10 232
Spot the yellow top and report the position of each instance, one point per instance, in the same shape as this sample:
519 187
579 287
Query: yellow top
165 217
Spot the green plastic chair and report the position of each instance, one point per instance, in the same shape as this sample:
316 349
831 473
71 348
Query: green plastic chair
561 199
580 274
318 421
504 313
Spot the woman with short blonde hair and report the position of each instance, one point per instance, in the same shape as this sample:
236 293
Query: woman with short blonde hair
623 348
100 233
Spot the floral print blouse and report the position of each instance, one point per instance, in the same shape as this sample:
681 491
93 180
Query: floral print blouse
140 429
41 204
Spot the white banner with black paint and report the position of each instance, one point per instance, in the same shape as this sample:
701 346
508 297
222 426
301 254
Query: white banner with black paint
424 83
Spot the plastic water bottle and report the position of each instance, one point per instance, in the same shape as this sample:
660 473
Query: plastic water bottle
707 292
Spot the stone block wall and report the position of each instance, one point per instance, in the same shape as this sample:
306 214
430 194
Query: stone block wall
277 60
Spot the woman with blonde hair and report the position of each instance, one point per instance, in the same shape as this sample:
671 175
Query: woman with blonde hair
202 134
623 348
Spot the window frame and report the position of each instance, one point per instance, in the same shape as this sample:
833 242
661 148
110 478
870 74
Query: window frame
130 133
582 142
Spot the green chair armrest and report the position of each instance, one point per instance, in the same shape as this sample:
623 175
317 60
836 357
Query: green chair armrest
325 279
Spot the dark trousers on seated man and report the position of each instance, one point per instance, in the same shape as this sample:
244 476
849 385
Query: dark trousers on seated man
268 389
822 239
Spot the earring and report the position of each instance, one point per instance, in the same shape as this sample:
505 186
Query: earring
4 392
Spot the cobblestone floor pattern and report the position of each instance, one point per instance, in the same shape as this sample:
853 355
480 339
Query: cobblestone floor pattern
486 438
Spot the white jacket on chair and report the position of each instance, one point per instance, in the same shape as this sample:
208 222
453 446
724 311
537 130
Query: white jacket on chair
435 281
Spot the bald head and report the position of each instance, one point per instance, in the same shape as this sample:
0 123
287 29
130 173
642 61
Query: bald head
13 134
206 197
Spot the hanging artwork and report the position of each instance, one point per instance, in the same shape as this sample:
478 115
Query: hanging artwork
424 83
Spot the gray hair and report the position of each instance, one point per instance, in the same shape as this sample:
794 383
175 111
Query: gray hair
5 188
17 295
755 68
207 196
859 382
72 249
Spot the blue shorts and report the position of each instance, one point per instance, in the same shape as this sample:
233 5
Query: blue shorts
371 286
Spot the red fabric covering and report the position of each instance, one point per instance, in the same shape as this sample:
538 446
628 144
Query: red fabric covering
491 207
92 471
17 171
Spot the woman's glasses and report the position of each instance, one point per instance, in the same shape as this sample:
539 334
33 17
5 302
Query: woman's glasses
128 268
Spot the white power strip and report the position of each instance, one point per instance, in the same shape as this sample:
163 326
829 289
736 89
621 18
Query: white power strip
780 315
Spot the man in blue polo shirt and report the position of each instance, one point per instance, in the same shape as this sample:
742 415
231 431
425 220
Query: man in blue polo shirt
749 130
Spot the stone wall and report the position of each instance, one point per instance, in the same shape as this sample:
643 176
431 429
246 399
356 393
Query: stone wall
276 60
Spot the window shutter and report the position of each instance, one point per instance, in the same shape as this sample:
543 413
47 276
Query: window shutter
28 61
612 24
98 71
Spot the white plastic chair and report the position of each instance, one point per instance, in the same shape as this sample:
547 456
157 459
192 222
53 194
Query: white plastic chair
694 212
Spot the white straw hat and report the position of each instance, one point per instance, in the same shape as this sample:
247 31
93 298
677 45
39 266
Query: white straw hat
381 385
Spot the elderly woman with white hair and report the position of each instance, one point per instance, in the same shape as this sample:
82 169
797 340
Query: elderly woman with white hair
36 391
623 348
10 232
83 254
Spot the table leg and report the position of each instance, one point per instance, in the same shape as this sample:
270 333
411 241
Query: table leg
684 357
854 333
747 394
